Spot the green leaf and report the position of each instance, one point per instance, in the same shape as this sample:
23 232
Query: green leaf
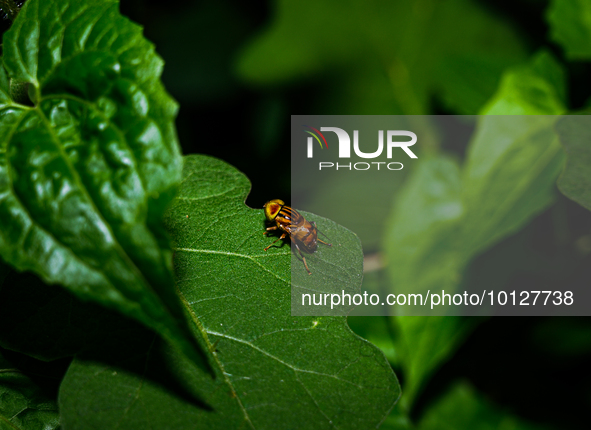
447 214
4 89
421 253
425 343
535 88
274 370
426 218
570 26
397 420
454 49
23 405
575 136
87 172
512 161
463 408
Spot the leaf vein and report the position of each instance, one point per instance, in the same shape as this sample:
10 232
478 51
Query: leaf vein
232 254
288 365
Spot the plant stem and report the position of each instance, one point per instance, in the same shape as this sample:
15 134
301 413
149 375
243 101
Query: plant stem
10 8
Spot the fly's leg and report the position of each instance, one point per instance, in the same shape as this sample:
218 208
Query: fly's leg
269 229
320 240
282 237
302 255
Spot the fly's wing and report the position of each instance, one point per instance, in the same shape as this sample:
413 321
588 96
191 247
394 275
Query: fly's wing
305 236
301 232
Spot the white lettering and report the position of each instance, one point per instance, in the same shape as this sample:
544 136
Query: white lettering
396 162
368 154
403 145
344 141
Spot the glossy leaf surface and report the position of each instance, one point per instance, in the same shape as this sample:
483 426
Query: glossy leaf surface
87 172
274 370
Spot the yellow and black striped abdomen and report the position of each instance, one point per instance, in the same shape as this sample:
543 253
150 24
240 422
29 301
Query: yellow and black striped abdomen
289 219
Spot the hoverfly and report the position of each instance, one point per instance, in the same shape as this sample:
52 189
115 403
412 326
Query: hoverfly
302 233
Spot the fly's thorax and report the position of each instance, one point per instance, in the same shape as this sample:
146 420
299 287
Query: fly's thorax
283 223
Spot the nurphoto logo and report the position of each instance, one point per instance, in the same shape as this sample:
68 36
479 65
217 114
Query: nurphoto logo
345 147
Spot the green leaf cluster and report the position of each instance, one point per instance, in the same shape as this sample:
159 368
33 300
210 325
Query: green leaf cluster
139 277
89 164
87 171
448 212
272 369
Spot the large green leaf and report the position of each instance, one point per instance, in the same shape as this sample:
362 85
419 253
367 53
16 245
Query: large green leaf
4 89
87 172
384 56
274 370
423 225
575 136
447 214
570 26
23 404
461 407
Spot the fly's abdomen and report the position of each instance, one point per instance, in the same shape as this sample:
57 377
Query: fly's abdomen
308 237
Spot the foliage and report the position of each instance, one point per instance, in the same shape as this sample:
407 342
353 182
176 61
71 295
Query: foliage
463 408
272 370
94 205
456 212
86 173
24 405
575 136
570 22
426 47
98 149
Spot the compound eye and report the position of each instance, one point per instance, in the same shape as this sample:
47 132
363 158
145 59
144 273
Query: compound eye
272 208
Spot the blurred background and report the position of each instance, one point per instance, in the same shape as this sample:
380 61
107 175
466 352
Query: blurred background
240 69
